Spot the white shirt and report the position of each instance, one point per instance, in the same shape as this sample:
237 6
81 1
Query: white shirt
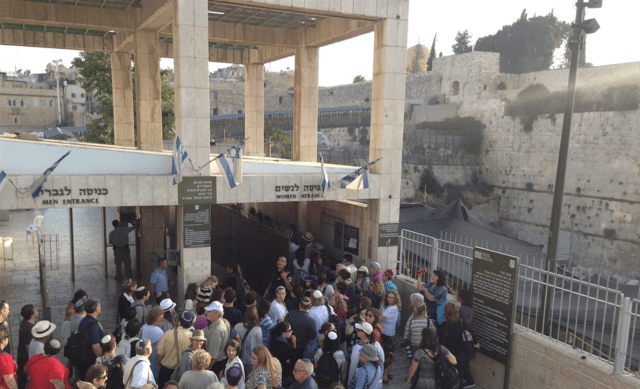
142 374
35 347
327 292
391 316
320 314
129 298
278 311
229 366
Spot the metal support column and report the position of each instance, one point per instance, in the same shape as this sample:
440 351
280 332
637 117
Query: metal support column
71 249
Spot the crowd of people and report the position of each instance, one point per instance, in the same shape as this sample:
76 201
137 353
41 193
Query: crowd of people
312 327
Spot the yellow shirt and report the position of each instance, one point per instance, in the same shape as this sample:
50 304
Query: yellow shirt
167 346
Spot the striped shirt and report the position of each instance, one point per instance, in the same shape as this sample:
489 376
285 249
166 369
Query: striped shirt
413 329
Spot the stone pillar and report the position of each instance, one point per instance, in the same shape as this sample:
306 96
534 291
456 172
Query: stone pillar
191 59
387 112
122 84
148 90
305 105
254 108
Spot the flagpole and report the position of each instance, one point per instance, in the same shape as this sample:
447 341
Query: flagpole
21 191
197 169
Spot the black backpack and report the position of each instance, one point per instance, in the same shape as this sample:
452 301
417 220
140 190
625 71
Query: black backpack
115 374
337 322
446 373
78 349
327 371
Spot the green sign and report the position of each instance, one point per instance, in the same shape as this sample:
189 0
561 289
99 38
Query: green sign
197 225
197 190
388 234
494 280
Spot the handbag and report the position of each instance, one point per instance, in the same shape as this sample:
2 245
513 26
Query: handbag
148 385
176 371
406 344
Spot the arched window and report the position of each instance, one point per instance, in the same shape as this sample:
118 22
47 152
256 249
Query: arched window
23 102
15 102
455 88
50 103
16 120
502 86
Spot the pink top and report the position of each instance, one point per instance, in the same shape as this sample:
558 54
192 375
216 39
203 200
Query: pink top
201 323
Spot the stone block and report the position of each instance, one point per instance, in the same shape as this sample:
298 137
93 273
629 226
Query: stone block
346 6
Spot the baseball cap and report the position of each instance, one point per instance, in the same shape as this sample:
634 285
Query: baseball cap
215 306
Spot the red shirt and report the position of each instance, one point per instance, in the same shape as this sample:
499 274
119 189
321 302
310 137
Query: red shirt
7 367
42 369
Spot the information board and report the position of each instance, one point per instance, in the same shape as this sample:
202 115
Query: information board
197 225
494 280
351 241
197 190
388 234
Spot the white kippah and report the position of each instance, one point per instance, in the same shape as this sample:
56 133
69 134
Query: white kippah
106 339
55 343
317 294
332 335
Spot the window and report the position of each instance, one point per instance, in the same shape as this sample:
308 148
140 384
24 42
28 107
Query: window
502 86
239 111
215 111
82 95
215 96
455 88
73 95
50 103
74 108
280 99
15 102
44 103
23 102
16 120
7 102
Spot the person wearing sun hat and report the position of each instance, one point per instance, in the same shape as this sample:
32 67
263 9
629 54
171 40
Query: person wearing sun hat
168 307
41 332
217 336
197 340
371 371
365 336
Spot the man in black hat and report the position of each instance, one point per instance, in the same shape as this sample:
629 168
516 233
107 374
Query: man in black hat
302 325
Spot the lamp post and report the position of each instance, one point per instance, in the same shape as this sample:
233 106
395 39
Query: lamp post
56 62
588 27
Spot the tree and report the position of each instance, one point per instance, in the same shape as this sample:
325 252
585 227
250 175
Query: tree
528 44
417 58
462 43
359 78
432 54
278 138
95 71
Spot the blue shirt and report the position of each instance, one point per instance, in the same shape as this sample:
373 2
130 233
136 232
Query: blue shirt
366 374
267 325
159 278
309 383
95 332
389 285
439 293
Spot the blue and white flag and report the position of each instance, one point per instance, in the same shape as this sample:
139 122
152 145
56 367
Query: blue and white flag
326 184
230 165
35 188
360 176
179 156
4 180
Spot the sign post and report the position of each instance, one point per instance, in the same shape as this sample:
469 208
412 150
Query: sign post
494 280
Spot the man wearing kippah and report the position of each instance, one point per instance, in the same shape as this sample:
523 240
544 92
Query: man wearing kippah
168 354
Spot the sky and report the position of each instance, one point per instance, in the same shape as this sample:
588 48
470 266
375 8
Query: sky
341 62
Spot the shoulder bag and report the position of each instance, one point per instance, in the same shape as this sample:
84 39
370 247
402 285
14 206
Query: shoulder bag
148 385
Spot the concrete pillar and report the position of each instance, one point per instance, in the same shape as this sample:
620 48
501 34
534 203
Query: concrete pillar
122 85
387 112
305 105
254 108
191 59
148 90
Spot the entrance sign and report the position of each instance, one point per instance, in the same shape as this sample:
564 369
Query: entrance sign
197 190
197 225
388 234
351 241
494 280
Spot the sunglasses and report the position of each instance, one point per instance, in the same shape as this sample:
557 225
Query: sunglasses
104 377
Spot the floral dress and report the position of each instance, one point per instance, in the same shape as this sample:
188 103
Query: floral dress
261 377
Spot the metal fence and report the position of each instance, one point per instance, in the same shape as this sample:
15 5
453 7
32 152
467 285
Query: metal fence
589 314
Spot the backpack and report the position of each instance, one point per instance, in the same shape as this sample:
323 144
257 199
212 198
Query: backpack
124 346
115 374
327 371
446 373
338 323
387 346
78 349
310 349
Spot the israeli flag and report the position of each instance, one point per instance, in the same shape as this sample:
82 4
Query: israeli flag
35 188
360 177
326 184
179 156
230 165
4 180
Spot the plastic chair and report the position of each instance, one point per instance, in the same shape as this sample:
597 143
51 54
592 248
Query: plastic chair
37 224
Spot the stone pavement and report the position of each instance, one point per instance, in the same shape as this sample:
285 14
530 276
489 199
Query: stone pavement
20 279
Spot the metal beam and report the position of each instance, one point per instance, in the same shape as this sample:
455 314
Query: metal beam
55 40
332 30
31 12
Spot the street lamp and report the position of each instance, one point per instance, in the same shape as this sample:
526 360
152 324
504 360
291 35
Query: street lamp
56 62
580 26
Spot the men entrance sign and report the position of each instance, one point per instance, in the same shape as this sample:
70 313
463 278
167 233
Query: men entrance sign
494 280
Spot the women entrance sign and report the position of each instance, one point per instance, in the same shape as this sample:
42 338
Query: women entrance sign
494 279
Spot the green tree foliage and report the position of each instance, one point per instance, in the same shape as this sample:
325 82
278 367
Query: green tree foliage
528 44
359 78
536 100
432 54
470 128
278 138
462 43
429 181
95 70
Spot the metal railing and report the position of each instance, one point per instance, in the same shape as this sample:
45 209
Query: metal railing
587 312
